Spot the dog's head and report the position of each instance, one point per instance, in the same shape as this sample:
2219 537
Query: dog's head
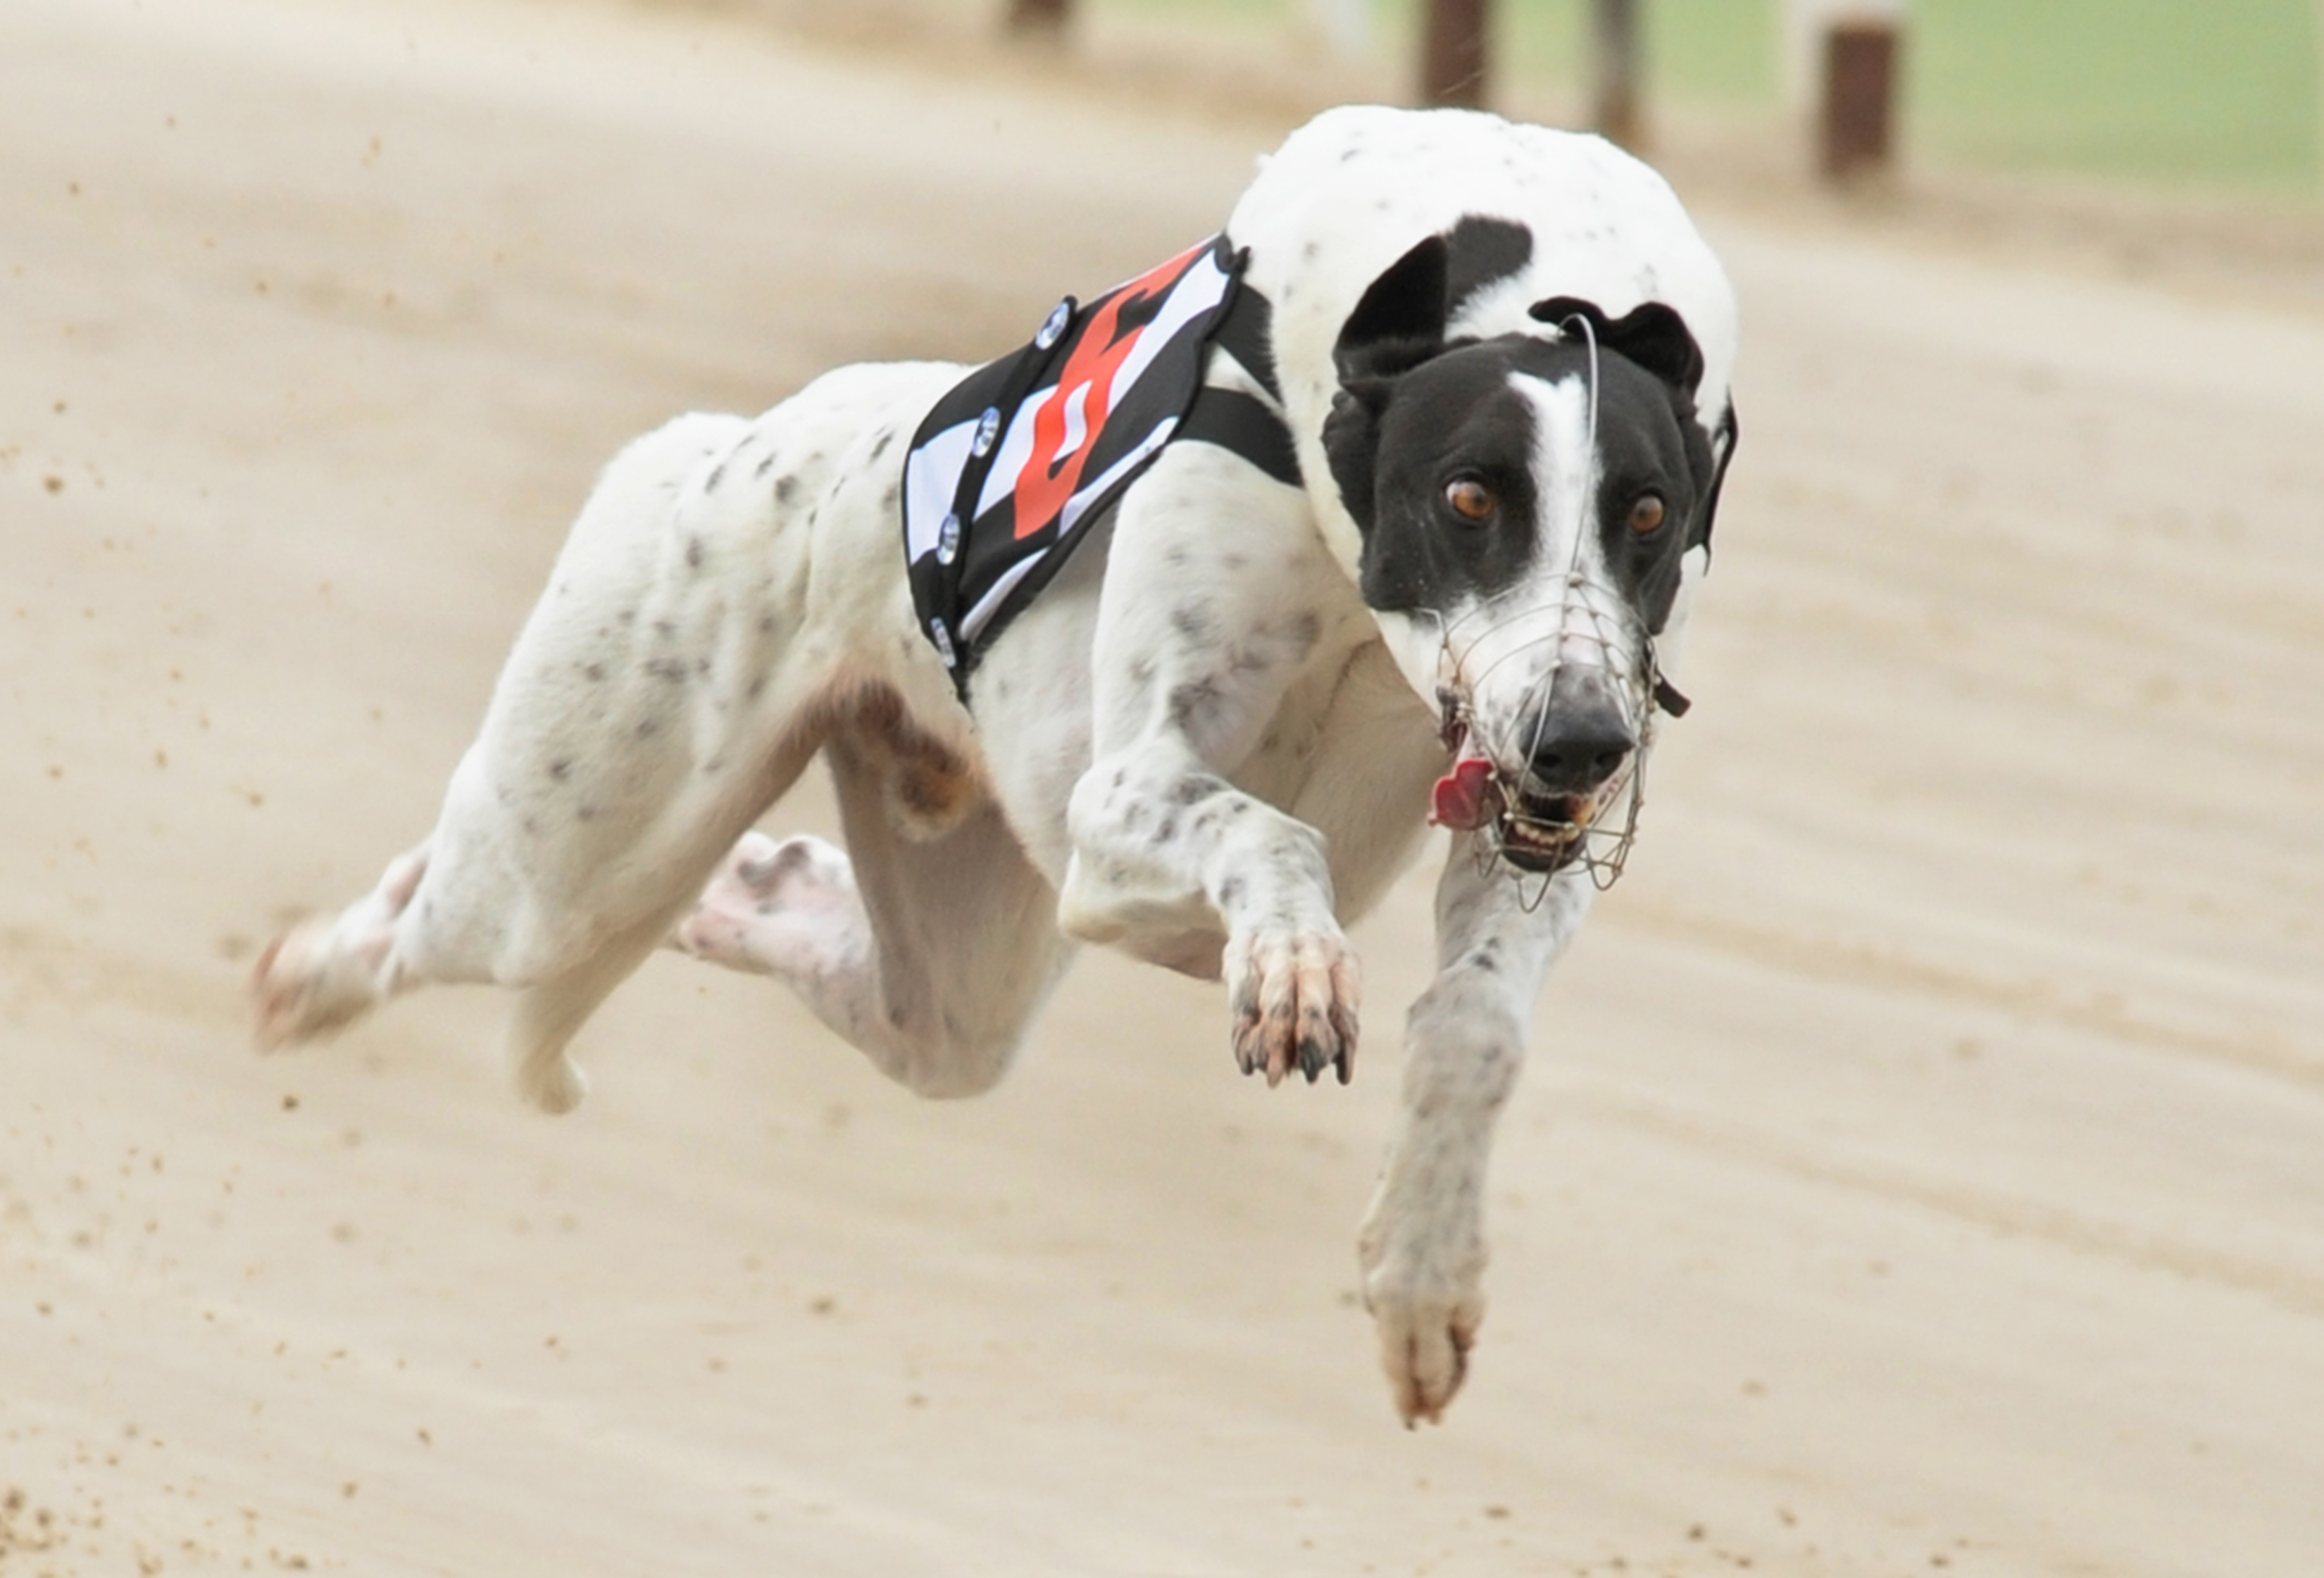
1526 502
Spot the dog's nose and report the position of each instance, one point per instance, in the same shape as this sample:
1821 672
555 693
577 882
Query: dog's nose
1584 741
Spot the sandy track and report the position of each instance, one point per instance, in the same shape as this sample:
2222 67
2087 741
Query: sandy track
1925 1161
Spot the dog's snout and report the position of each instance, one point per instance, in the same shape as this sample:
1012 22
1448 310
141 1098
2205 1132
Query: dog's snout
1582 743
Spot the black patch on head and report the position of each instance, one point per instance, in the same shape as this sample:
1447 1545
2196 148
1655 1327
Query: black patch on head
1484 251
1457 415
1402 318
1417 412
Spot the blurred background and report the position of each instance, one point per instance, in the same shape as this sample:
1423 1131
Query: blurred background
2214 95
1921 1164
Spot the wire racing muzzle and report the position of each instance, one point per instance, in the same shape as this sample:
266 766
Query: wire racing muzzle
1534 828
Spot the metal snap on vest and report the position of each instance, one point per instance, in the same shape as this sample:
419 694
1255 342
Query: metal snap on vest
988 428
1054 326
948 540
943 638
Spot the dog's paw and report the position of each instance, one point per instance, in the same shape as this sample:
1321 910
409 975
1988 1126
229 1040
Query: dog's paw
774 909
1293 996
308 983
1428 1321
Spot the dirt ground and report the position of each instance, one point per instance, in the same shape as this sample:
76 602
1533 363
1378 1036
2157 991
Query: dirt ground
1923 1163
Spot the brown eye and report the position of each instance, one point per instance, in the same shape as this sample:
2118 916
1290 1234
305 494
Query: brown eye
1470 500
1647 516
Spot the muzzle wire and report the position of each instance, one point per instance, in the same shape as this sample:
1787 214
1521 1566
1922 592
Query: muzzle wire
1591 833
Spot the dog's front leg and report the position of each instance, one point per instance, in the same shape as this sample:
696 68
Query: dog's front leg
1165 846
1423 1245
1203 634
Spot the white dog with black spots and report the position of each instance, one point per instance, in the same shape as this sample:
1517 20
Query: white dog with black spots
1503 356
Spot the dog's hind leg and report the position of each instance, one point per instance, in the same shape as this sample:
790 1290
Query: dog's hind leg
930 950
651 709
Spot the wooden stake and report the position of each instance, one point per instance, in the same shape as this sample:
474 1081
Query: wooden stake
1452 53
1859 98
1038 16
1616 98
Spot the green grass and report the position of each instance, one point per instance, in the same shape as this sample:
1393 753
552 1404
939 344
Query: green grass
2183 90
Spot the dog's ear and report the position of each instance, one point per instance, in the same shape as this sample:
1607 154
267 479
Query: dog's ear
1653 335
1398 324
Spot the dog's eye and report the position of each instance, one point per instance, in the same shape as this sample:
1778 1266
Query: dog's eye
1647 515
1470 500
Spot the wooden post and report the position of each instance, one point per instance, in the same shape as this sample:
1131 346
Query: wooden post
1859 98
1614 99
1452 53
1038 16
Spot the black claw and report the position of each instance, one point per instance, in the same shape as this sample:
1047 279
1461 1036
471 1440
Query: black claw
1346 1067
1311 1057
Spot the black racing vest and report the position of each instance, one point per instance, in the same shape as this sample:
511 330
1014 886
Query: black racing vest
1010 468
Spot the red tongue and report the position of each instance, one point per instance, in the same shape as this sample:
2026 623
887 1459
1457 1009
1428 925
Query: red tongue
1461 795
